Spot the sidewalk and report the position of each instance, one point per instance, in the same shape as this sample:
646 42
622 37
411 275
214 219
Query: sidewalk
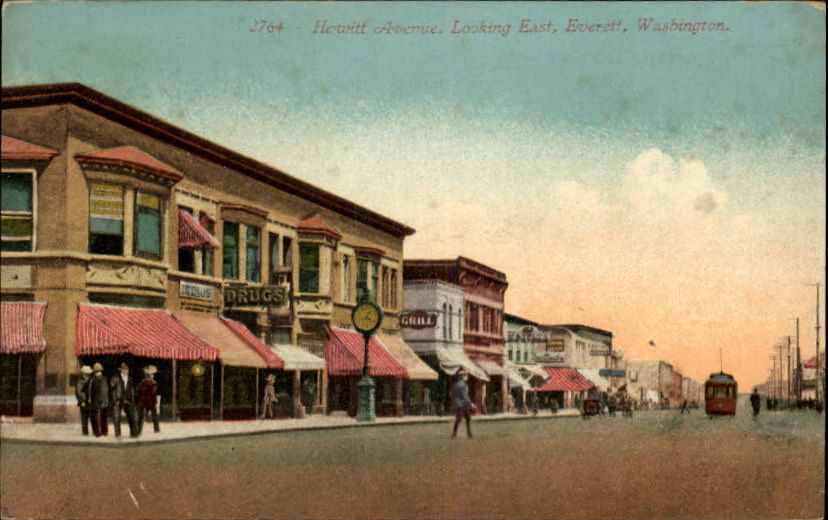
69 433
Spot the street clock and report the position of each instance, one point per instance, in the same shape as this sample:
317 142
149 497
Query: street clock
367 317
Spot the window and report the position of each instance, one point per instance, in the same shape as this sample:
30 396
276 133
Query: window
526 356
309 268
147 224
106 219
254 254
287 252
280 336
273 245
362 276
346 278
374 279
394 302
510 354
186 255
17 212
450 322
207 253
445 323
231 250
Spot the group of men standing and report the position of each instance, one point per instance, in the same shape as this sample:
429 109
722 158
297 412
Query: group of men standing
99 397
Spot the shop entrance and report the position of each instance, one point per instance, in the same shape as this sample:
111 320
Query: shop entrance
17 384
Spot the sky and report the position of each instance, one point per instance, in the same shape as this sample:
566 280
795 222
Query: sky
668 185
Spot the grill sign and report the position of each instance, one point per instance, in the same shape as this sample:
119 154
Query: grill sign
418 320
267 296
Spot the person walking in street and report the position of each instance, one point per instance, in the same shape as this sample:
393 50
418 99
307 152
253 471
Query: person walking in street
428 409
122 397
755 402
82 394
98 401
269 399
684 407
463 407
147 395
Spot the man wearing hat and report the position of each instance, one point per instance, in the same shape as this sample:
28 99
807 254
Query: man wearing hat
98 401
147 394
269 400
463 407
122 396
82 394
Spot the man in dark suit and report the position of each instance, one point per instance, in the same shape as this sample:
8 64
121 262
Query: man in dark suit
98 401
148 391
122 397
82 394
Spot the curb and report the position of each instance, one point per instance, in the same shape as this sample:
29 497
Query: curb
214 436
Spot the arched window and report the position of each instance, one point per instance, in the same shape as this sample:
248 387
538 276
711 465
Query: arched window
450 323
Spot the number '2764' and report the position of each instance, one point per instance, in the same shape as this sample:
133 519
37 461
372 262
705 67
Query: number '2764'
267 26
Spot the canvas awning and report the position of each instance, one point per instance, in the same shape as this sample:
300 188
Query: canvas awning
271 359
451 360
516 380
345 356
533 371
812 363
192 235
594 377
233 351
565 380
415 366
297 358
150 333
21 327
490 367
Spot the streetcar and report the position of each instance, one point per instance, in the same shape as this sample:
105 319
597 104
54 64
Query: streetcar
720 392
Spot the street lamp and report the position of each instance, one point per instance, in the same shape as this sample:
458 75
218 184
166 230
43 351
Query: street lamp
367 318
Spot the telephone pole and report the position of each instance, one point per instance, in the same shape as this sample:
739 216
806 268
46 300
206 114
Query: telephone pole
798 364
818 379
789 372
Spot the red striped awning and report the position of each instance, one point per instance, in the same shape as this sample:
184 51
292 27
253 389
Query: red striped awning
191 234
270 357
345 355
21 327
565 380
150 333
812 363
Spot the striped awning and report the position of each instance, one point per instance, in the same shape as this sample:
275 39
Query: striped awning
233 350
594 377
297 358
271 359
812 363
564 380
345 355
415 366
191 234
150 333
21 327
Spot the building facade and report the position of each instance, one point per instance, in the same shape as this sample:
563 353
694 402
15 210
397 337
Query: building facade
110 207
483 303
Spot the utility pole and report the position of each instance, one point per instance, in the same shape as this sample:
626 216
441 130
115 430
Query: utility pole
788 372
818 379
798 364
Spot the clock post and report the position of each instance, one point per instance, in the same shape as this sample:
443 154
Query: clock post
367 318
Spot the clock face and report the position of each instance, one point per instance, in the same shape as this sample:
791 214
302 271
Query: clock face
366 317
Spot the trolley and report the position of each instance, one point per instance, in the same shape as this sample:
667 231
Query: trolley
720 392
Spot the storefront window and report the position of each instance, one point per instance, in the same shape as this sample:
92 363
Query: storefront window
254 255
147 224
231 251
16 208
309 268
106 219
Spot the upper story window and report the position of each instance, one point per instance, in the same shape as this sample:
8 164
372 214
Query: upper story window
273 253
106 218
287 252
450 323
17 208
309 268
147 224
395 303
186 255
254 254
445 322
207 260
230 251
346 278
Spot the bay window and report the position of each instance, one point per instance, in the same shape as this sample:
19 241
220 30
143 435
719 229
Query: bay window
309 268
106 218
17 212
254 254
147 224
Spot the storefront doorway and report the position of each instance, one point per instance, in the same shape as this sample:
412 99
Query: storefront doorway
17 384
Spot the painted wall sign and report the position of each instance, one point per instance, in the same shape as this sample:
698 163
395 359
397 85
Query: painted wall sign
611 372
555 345
599 352
418 320
198 291
267 295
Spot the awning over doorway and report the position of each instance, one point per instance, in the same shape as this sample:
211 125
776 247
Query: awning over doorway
345 355
516 380
151 333
271 359
415 366
192 235
21 327
533 371
233 351
594 377
490 367
451 360
565 380
297 358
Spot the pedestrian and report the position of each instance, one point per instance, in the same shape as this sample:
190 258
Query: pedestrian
684 407
269 400
755 402
427 407
147 395
82 394
463 407
510 403
534 403
122 399
98 401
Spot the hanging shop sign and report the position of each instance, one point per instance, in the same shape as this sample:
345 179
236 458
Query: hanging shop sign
265 296
418 320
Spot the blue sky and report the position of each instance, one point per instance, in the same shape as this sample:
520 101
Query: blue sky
511 149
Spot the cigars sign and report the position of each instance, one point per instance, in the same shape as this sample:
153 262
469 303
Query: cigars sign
265 296
418 320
